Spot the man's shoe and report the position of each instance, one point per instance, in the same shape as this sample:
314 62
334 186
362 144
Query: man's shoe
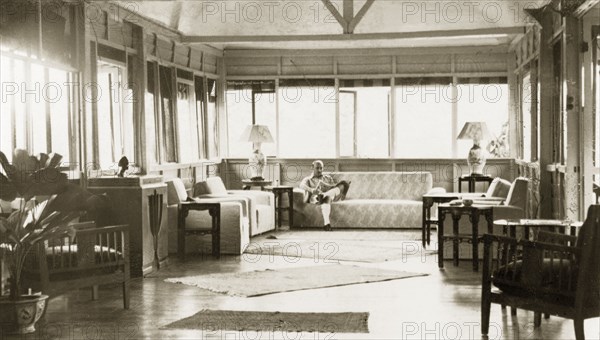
327 227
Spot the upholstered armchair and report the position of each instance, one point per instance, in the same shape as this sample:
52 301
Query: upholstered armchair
234 233
261 204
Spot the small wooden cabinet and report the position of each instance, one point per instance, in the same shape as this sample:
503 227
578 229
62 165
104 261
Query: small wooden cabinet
130 198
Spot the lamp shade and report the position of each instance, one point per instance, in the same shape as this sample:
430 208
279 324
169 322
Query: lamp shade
474 130
257 134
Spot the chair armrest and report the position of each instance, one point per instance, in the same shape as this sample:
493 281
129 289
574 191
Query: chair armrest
208 198
436 190
507 212
555 238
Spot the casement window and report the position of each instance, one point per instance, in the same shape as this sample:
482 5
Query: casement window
423 118
307 122
484 100
168 147
212 127
187 124
419 117
37 107
250 102
364 115
114 115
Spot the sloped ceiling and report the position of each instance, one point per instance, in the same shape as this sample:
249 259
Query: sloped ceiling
310 23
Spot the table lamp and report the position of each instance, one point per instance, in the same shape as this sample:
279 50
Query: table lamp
257 134
477 131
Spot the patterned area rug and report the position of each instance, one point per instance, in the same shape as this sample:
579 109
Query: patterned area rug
263 282
341 245
214 320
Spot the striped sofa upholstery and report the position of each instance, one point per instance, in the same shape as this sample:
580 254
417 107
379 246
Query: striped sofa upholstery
374 200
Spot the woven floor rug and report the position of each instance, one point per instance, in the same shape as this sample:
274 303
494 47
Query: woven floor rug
263 282
341 245
214 320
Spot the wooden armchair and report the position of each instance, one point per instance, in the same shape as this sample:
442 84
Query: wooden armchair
95 256
560 278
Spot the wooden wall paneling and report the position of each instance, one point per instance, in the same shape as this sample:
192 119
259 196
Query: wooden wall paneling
181 55
364 64
423 63
300 65
210 64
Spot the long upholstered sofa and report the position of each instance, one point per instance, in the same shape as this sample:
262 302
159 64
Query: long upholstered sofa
374 200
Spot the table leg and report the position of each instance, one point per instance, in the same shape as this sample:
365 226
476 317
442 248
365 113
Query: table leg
440 233
291 208
423 224
455 220
474 217
460 185
279 209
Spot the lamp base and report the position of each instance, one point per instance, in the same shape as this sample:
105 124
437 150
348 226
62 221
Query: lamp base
257 161
476 160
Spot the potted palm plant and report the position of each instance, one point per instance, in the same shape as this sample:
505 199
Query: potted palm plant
47 205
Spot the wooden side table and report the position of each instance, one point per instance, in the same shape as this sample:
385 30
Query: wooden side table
457 211
247 184
278 191
214 209
472 180
428 201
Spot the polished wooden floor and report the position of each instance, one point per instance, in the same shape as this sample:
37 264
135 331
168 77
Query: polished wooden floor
443 305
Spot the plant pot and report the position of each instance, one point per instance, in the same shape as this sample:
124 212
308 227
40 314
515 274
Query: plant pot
19 316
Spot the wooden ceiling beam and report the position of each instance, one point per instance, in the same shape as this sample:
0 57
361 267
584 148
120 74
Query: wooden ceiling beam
361 13
197 39
336 13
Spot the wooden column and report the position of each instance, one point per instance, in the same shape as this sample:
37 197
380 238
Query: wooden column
546 93
139 93
572 107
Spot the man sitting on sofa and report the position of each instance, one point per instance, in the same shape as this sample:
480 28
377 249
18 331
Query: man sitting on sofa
321 189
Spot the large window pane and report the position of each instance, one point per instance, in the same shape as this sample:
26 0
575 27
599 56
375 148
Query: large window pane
423 121
6 107
485 103
211 119
58 94
186 124
242 96
370 120
37 105
115 117
20 109
168 151
307 119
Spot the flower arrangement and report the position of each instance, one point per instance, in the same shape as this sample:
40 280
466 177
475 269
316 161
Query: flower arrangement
47 206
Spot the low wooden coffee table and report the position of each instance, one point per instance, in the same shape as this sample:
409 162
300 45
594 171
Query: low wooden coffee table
428 201
457 211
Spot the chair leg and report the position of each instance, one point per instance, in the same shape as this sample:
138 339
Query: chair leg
546 316
537 319
95 292
579 332
513 311
486 306
126 295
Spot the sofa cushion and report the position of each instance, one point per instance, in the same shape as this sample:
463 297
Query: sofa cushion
498 188
201 188
386 185
176 191
215 186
